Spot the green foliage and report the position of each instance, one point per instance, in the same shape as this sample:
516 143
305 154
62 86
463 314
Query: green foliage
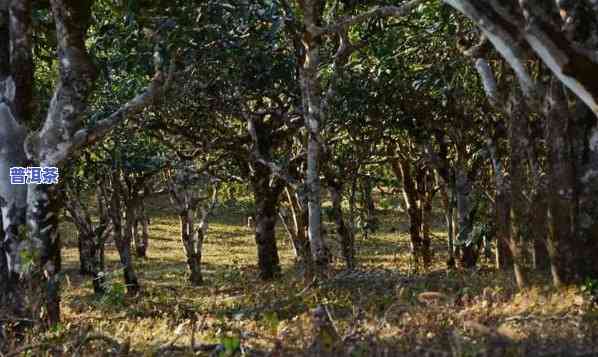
28 258
114 289
231 344
590 287
479 232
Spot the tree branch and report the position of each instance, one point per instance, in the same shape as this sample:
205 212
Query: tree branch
90 135
276 170
382 11
504 35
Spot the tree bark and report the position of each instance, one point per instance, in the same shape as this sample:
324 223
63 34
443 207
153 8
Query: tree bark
513 28
266 213
133 213
518 114
369 204
91 237
311 97
142 242
299 231
465 216
185 194
427 193
121 239
13 25
344 233
192 239
403 170
538 223
448 205
45 202
136 189
587 194
562 205
504 258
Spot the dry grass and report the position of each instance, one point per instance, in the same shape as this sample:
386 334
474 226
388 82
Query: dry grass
460 313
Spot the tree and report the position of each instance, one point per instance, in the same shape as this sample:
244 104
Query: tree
310 30
189 189
560 35
61 136
91 236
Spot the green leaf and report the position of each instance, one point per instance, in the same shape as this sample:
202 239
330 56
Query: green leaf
231 344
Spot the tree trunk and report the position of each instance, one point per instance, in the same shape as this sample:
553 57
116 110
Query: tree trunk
122 241
45 202
587 193
426 198
502 209
403 170
344 233
369 204
311 98
562 201
504 259
518 114
300 226
539 229
91 237
132 217
188 201
4 273
91 258
465 216
144 239
192 239
266 210
13 205
87 253
448 205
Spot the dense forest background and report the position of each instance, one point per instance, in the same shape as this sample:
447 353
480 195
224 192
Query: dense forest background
311 177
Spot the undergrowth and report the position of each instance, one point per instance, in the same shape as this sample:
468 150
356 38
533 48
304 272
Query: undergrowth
383 307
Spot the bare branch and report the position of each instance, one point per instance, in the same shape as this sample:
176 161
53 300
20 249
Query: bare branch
488 81
504 36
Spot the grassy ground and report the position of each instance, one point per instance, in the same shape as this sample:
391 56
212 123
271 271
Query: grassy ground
456 313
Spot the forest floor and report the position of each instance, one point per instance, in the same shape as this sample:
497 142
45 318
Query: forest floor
385 308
